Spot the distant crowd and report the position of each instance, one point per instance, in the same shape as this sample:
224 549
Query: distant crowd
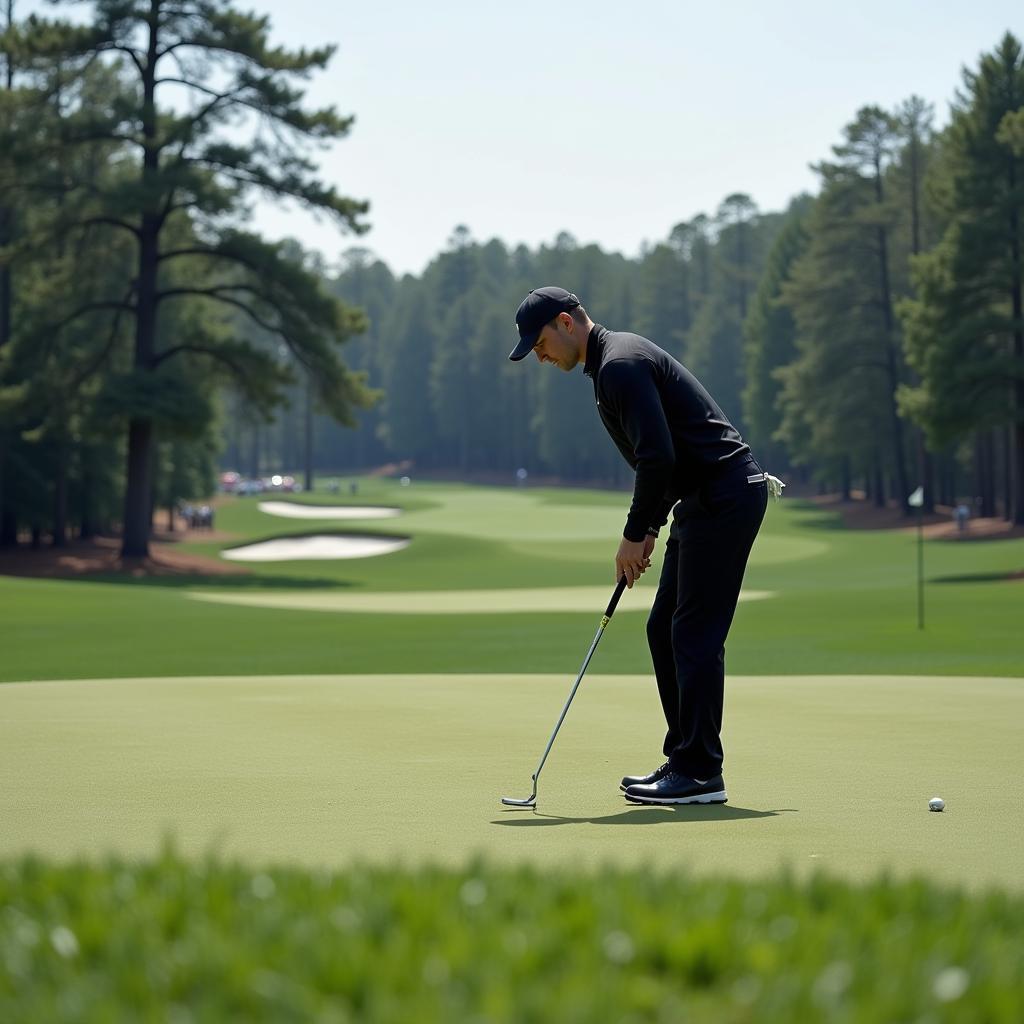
197 517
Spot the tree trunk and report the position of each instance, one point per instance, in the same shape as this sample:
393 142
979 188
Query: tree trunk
309 434
985 497
8 527
899 460
844 485
927 474
899 453
928 481
1017 403
255 460
1015 433
286 463
135 541
60 496
153 468
86 526
139 485
879 483
947 480
1017 484
3 500
1004 502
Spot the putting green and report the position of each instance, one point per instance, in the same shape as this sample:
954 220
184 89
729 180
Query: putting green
450 602
538 524
829 772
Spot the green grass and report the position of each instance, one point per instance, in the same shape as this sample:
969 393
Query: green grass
845 600
822 772
169 939
379 744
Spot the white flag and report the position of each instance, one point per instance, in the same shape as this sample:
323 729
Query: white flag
916 500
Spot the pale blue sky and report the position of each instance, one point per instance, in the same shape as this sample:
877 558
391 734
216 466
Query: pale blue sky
608 120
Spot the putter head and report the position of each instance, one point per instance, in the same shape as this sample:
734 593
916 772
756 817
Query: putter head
530 801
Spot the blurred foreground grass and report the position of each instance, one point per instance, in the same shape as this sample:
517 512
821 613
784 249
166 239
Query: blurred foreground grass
167 939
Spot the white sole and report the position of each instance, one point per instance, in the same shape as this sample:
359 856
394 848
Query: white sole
700 798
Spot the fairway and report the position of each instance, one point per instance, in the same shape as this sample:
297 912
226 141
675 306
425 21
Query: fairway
832 773
452 602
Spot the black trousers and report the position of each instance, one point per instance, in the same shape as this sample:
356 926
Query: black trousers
706 555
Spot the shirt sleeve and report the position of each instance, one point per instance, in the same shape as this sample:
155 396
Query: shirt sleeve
629 389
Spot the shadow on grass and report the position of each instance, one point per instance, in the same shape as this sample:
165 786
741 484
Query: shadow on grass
216 581
649 815
980 577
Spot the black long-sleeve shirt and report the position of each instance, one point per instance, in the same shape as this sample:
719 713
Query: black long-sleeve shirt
667 426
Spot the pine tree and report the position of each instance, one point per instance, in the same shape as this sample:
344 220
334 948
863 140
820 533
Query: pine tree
187 168
769 334
838 395
965 328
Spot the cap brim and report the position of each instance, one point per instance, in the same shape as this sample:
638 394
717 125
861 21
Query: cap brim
525 346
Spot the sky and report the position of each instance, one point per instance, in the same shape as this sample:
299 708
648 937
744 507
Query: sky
611 121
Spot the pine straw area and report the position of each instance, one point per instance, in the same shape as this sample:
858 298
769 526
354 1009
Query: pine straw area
102 556
939 525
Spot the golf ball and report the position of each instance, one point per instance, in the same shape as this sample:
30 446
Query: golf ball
936 803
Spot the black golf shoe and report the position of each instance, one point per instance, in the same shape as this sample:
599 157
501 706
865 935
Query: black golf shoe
643 780
673 788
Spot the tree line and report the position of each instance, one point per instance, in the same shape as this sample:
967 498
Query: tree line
869 336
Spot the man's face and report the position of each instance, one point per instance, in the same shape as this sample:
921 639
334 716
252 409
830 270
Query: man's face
557 343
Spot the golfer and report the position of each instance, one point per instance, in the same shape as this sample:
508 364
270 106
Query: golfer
688 456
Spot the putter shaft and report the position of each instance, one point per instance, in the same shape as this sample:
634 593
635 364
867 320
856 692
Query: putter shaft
531 800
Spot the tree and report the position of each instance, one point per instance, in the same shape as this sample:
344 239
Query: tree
714 349
190 168
692 240
868 150
365 282
914 118
49 377
841 294
735 216
661 310
769 338
965 327
408 425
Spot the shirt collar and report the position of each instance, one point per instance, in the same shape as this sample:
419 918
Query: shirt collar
595 348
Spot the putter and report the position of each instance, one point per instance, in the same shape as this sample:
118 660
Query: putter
531 800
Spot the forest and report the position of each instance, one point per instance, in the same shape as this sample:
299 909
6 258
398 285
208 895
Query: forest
866 340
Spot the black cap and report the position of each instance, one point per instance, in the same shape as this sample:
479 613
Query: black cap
540 307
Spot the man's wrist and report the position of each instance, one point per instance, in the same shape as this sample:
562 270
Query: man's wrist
652 531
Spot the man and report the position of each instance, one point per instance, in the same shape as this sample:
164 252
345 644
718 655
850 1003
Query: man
687 455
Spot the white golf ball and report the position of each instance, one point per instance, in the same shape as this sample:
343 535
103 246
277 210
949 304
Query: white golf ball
936 803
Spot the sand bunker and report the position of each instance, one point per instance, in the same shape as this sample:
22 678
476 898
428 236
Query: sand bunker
296 510
592 600
286 549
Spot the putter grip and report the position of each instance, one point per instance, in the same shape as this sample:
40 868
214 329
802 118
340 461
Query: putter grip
610 611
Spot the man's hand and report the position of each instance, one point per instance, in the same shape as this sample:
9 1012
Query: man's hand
633 558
